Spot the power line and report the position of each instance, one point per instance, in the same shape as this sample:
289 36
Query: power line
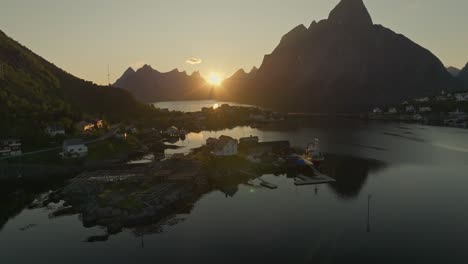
108 74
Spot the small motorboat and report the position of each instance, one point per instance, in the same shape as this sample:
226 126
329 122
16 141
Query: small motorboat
313 153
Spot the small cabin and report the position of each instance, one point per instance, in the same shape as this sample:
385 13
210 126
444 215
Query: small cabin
54 130
74 148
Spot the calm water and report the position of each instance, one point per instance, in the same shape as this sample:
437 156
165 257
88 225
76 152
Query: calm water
192 106
416 176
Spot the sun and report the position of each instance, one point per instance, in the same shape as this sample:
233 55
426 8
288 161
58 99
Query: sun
215 79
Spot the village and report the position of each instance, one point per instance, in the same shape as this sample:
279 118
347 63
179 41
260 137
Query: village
138 194
142 136
446 109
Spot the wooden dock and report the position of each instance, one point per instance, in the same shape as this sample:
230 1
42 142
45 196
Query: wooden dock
263 183
268 185
317 178
322 179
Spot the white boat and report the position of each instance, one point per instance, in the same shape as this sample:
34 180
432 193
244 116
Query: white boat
313 152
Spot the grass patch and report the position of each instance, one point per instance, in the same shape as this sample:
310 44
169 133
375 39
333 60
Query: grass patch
108 149
130 203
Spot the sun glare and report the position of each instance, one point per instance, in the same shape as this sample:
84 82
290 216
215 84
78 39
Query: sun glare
214 79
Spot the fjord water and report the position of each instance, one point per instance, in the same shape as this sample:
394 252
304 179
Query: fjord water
414 176
192 106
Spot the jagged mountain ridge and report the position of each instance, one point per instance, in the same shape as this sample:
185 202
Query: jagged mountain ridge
342 64
150 85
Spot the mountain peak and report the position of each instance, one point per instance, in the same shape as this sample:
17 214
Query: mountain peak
195 74
127 74
253 70
350 13
240 74
130 70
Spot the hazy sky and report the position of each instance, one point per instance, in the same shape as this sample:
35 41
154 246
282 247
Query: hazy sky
84 36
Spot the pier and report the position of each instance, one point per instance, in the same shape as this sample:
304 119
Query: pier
318 178
263 183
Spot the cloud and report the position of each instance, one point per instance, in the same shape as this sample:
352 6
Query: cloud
193 61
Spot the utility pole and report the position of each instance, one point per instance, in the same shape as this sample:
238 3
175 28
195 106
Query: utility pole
108 74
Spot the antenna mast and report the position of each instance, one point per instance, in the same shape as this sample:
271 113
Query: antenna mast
108 74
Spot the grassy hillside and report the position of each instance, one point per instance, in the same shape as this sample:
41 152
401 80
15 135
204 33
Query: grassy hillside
34 92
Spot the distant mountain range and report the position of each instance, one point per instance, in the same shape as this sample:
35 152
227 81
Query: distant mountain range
34 91
150 85
341 64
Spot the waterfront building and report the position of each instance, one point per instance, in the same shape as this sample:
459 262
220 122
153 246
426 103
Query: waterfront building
225 146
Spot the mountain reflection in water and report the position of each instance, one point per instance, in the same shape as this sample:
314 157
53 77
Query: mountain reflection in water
418 192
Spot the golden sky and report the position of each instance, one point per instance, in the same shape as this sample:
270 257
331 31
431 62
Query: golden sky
85 36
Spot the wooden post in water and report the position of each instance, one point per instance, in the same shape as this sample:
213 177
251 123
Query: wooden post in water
368 213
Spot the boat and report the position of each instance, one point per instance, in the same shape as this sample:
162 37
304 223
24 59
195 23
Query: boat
268 185
313 153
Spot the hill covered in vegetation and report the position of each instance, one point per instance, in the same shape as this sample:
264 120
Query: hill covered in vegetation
34 92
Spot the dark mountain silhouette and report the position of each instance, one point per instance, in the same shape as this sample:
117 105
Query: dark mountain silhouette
33 90
463 75
241 75
150 85
342 64
453 71
232 86
124 78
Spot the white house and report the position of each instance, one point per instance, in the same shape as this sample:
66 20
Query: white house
425 109
410 109
461 97
417 117
5 152
11 147
226 146
54 130
392 110
74 148
377 110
